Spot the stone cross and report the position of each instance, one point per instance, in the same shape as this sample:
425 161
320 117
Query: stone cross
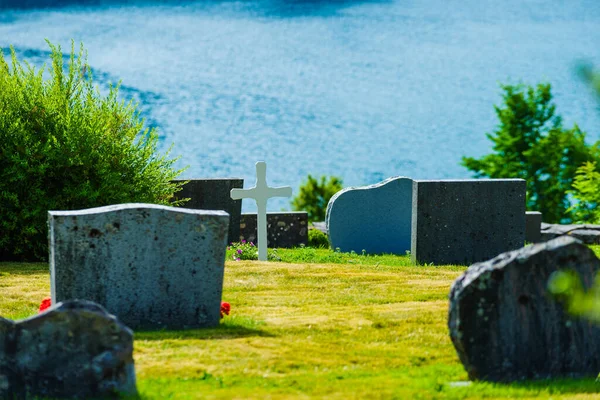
261 192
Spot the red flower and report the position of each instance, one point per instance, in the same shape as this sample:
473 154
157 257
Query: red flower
225 308
46 303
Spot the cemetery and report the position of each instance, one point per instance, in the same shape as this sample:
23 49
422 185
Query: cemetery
121 279
137 293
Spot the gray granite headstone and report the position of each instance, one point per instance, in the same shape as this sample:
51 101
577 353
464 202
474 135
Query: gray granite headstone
374 218
533 226
506 327
284 229
587 233
73 350
214 194
153 266
465 221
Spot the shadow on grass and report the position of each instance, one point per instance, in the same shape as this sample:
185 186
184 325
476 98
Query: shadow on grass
222 332
22 268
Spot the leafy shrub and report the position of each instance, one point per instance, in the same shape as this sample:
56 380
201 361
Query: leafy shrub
315 194
242 251
585 192
64 146
567 287
531 143
317 239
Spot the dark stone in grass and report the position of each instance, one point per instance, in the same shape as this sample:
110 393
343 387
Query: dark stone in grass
73 350
286 229
504 325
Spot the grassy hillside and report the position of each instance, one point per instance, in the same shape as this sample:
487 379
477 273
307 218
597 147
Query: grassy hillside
353 327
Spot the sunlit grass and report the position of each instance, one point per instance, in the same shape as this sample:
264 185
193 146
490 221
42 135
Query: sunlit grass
364 327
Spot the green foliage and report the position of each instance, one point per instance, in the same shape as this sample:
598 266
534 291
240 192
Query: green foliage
315 194
567 287
244 250
531 143
585 192
64 146
317 239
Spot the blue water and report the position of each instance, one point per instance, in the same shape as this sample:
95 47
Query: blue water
360 89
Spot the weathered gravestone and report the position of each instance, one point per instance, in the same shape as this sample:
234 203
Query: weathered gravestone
153 266
504 325
73 350
533 226
465 221
284 229
587 233
213 194
374 218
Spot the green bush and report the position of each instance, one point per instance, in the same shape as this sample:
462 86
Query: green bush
245 250
531 143
585 192
64 146
317 239
315 194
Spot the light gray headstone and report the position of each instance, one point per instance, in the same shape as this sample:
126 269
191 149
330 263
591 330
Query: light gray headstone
374 218
152 266
466 221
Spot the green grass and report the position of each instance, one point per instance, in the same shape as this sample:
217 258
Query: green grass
345 327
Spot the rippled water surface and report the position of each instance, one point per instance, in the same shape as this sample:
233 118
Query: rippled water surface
360 89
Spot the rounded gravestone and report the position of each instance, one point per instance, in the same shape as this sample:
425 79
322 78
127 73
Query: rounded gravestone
505 326
374 218
76 349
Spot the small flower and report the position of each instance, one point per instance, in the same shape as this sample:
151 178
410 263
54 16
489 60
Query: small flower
46 303
237 259
251 244
243 241
239 251
225 308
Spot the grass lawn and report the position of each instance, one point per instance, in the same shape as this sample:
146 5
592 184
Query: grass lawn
318 324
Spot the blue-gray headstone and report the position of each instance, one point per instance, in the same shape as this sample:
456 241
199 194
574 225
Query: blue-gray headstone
466 221
374 218
152 266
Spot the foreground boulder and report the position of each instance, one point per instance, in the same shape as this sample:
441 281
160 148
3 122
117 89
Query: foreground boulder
74 350
505 326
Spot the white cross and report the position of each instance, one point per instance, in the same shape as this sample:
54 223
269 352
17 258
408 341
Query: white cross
261 192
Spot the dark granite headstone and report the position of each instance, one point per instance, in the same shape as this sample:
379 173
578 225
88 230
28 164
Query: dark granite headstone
214 194
73 350
533 226
505 326
284 229
465 221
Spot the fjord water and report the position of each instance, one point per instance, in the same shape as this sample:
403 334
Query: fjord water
360 89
